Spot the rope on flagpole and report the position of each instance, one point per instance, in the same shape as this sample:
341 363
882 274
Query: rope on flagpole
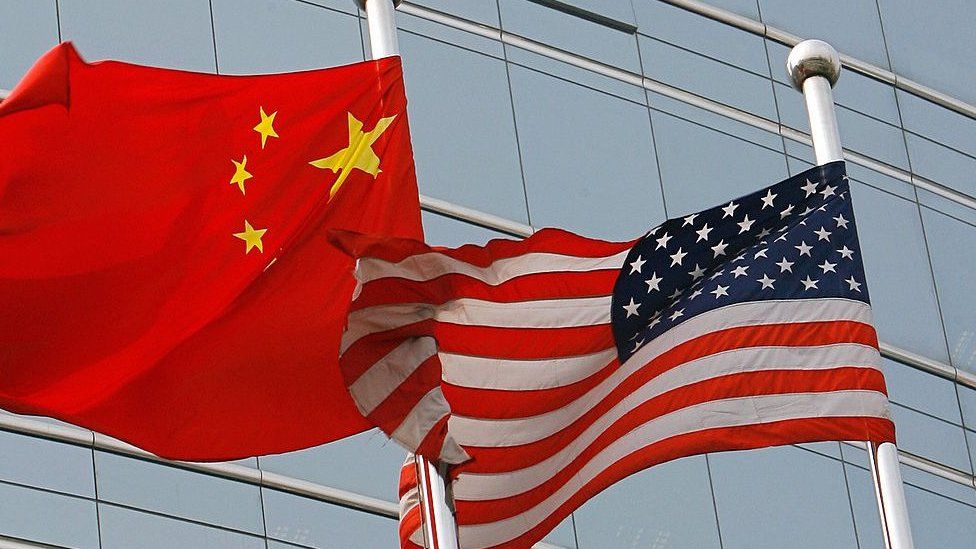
814 67
440 528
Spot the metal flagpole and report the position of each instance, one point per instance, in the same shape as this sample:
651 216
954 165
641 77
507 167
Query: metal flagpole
440 529
814 67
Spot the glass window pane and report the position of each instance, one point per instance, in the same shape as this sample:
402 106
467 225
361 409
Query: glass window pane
939 521
714 121
474 10
951 245
781 497
177 492
867 520
588 158
931 438
46 464
669 505
367 463
173 34
28 28
941 164
47 518
564 31
851 26
922 391
126 528
708 37
701 167
703 76
896 264
937 123
462 127
409 24
619 10
563 535
251 37
932 45
444 231
317 524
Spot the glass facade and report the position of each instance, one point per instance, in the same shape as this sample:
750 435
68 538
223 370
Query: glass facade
603 117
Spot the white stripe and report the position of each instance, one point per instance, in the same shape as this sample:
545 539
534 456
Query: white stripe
470 431
714 414
522 375
386 374
381 318
685 375
428 266
546 313
419 422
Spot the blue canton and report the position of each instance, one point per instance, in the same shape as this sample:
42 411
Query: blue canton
793 240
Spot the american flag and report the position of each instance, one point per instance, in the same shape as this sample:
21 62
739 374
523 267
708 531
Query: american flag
549 368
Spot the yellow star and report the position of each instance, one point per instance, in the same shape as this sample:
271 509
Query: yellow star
240 174
358 155
252 237
266 126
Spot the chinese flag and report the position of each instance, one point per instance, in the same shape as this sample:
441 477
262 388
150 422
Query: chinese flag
165 276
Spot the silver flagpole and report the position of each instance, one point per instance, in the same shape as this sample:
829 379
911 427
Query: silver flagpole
814 67
440 529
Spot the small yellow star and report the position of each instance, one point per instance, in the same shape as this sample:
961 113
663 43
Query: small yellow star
266 126
252 237
240 174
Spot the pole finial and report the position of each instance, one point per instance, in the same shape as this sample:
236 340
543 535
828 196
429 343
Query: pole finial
813 58
361 4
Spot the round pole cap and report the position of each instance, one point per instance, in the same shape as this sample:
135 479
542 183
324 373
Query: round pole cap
361 4
813 58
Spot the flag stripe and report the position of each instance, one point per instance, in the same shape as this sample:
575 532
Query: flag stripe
476 372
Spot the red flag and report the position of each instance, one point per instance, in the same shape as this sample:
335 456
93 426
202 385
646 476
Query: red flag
165 276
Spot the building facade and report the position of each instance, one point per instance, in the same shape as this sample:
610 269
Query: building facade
604 117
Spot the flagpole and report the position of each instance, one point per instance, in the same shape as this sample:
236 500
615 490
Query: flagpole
814 67
440 529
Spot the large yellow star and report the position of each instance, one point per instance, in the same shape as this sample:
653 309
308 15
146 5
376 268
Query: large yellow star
358 155
252 237
266 126
240 173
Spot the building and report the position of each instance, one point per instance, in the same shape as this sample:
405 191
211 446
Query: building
603 117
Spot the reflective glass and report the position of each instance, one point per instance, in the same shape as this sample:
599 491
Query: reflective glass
951 245
937 123
931 438
706 36
967 401
367 463
564 31
47 518
46 464
341 5
619 10
851 26
563 535
861 133
177 492
318 524
781 497
942 164
588 158
932 45
407 23
126 528
630 90
481 11
922 391
701 167
903 296
175 34
942 486
715 121
668 505
444 231
707 77
939 521
462 127
867 521
250 37
28 28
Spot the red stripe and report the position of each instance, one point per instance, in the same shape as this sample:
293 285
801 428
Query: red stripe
432 443
523 343
500 460
727 438
408 478
410 522
368 350
390 413
547 285
506 404
545 240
